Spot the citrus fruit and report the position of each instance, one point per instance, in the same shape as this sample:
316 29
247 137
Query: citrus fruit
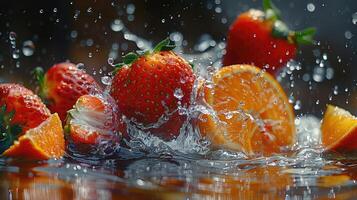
339 130
252 112
40 143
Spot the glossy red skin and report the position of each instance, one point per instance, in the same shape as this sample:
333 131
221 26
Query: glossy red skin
64 84
29 109
139 90
250 41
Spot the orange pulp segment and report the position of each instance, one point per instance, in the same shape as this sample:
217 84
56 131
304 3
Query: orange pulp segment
41 143
253 113
339 130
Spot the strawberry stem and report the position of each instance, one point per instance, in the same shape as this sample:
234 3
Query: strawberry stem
130 58
40 77
8 132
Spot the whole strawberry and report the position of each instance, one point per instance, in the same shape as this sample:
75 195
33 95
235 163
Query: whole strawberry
262 39
20 110
62 85
149 88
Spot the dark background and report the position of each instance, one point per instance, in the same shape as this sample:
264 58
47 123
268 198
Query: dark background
80 31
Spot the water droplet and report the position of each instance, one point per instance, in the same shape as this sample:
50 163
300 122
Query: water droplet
354 18
297 105
130 9
324 56
317 102
76 14
90 54
89 9
335 90
12 35
228 115
163 21
348 35
81 66
218 9
16 54
117 25
178 93
106 80
28 48
310 7
41 11
111 61
74 34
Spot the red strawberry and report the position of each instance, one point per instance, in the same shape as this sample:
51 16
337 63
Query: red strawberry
144 86
20 111
62 85
91 119
262 39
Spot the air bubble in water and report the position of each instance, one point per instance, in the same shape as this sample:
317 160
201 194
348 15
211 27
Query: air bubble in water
28 48
178 93
117 25
310 7
106 80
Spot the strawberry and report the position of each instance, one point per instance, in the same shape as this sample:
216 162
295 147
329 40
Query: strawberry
20 110
144 86
92 118
261 38
62 85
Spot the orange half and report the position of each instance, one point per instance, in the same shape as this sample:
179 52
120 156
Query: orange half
339 130
253 114
41 143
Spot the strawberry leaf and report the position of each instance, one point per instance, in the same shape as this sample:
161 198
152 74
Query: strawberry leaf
8 132
305 36
271 11
130 58
165 45
40 77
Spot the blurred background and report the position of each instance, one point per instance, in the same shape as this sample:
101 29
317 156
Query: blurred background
42 33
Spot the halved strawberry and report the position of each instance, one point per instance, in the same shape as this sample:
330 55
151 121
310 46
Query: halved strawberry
92 118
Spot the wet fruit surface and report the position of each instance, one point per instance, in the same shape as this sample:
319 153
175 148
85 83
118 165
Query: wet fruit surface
253 112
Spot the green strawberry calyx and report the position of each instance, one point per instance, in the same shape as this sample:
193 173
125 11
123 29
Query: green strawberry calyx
281 30
40 77
130 58
8 132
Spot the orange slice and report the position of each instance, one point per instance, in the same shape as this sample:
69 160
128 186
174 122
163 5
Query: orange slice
339 130
41 143
253 114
